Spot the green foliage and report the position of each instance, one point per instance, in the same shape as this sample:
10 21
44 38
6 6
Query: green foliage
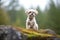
39 17
53 21
4 19
12 14
45 19
22 16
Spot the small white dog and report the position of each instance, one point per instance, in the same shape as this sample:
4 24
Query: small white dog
31 21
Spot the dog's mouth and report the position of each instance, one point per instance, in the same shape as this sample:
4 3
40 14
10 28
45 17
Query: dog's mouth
31 16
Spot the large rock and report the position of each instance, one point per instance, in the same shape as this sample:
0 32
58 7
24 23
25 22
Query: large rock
9 33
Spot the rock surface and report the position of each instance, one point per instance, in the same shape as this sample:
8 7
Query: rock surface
9 33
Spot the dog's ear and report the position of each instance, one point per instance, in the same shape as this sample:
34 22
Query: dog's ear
36 12
26 12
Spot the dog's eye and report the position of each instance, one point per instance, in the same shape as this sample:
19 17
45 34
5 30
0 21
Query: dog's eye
30 12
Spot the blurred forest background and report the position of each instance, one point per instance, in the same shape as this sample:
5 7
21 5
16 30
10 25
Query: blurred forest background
49 18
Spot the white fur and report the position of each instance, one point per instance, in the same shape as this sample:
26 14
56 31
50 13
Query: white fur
27 11
33 21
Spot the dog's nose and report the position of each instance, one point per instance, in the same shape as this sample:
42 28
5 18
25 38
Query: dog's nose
32 14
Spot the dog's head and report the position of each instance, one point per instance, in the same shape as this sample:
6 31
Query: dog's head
31 13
